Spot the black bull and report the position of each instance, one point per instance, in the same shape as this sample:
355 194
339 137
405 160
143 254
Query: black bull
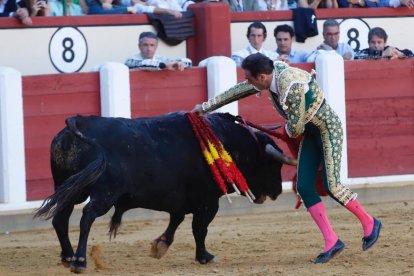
153 163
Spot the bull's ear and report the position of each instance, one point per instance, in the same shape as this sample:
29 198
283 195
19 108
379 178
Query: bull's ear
278 156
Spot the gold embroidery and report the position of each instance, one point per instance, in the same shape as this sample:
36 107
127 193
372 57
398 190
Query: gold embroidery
330 127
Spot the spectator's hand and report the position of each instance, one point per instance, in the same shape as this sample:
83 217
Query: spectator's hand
198 109
132 9
38 6
176 14
175 66
324 46
284 58
392 53
347 56
23 15
407 3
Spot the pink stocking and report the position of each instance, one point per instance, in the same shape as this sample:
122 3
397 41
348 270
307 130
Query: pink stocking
366 220
318 214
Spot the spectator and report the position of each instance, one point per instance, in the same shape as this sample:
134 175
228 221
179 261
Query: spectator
331 42
245 5
72 8
148 60
377 41
382 3
177 5
7 8
277 5
117 7
29 8
256 34
284 37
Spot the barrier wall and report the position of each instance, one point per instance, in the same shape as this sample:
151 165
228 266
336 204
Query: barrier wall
380 117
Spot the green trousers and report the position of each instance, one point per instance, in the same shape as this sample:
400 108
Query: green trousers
322 145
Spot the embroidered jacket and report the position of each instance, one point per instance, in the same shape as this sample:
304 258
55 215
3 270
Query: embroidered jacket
297 97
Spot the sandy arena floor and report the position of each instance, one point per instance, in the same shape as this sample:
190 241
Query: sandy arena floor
282 243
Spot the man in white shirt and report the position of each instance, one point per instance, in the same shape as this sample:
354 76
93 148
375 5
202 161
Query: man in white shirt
148 60
256 34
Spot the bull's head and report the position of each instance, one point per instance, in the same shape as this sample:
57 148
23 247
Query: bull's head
272 185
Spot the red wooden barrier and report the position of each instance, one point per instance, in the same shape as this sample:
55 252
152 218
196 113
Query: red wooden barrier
47 101
155 93
380 117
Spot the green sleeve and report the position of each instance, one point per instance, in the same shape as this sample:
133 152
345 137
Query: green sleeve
237 92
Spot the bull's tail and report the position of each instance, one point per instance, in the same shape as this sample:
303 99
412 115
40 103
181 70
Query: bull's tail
67 193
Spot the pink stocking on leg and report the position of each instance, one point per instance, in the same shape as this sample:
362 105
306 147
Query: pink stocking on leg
366 220
318 214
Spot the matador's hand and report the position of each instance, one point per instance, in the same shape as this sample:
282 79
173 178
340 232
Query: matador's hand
198 109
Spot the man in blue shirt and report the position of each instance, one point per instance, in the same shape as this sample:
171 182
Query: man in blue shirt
284 37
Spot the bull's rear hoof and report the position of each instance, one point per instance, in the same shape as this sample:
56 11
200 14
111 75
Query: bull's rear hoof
207 259
158 248
77 270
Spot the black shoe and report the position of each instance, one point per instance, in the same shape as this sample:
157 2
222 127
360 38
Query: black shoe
367 242
326 256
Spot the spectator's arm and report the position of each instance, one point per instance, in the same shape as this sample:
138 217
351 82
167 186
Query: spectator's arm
176 14
407 3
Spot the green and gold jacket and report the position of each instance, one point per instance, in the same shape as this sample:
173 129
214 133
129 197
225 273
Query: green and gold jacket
297 99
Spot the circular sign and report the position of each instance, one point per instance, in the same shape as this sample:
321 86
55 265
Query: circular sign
354 32
68 50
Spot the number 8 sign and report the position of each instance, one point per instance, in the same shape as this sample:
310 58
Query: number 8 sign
354 31
68 50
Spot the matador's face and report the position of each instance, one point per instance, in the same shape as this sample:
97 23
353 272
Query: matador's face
261 82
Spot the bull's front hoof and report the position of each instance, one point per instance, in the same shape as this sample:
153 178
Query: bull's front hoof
66 261
78 265
207 258
158 248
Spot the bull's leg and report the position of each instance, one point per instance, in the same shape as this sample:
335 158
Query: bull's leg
201 219
61 224
92 210
160 245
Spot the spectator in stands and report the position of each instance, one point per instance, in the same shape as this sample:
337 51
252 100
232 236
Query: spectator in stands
72 8
117 7
331 42
277 5
7 8
256 34
148 60
29 8
177 5
382 3
246 5
377 41
284 37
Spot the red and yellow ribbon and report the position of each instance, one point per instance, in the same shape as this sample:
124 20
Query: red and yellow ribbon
222 166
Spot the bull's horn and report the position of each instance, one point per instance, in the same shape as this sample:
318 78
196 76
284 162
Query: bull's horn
278 156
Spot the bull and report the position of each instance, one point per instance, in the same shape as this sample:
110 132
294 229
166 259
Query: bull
153 163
